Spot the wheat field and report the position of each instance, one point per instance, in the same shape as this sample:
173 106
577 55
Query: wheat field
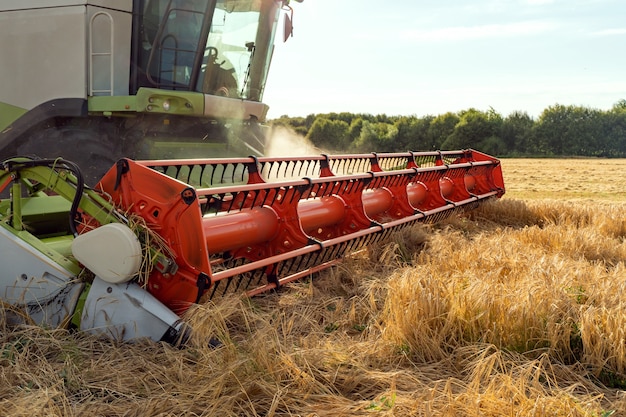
514 309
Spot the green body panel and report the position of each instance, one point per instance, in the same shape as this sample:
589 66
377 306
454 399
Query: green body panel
38 212
183 103
150 100
62 184
61 245
109 104
42 220
78 312
8 114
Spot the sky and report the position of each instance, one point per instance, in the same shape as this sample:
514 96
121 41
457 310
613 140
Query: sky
417 57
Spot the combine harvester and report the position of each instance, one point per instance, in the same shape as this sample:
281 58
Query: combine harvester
127 254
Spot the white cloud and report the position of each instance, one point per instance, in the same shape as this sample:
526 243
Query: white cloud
460 33
610 32
538 2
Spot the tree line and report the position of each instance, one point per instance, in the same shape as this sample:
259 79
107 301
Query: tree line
560 130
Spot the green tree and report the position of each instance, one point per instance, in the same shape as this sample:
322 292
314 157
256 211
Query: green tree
329 134
297 124
354 130
517 133
570 130
441 127
559 130
343 116
423 140
472 128
619 106
413 134
614 130
376 137
551 124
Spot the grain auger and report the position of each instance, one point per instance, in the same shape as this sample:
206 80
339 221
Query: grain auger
127 257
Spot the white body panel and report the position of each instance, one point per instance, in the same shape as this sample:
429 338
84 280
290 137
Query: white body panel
49 295
122 5
48 52
112 252
126 312
32 281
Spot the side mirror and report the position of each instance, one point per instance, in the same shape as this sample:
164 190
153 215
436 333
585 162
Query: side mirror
287 28
288 23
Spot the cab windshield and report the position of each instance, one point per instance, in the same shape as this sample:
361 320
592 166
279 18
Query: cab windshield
219 47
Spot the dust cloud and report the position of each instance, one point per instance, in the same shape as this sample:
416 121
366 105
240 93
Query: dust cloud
282 141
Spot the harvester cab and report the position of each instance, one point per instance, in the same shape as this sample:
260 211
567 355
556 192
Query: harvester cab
92 81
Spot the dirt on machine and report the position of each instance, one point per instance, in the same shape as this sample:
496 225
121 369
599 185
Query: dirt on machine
132 177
